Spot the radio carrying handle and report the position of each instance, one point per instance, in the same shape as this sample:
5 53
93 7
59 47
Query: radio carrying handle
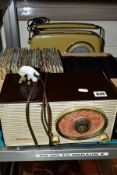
37 25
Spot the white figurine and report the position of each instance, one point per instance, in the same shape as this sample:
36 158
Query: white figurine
29 73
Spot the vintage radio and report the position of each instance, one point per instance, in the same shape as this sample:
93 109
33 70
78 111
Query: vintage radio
80 107
67 37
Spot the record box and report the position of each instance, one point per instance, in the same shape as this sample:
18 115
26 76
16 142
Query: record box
67 37
80 107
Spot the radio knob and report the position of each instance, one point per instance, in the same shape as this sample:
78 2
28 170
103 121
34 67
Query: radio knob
55 140
82 125
104 137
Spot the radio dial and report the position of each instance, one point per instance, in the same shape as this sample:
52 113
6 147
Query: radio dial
82 125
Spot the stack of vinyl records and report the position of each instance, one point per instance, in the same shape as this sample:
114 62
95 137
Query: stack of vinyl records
47 60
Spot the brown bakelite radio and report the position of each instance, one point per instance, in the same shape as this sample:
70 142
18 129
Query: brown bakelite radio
78 109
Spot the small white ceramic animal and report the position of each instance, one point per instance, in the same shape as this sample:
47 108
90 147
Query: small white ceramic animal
29 72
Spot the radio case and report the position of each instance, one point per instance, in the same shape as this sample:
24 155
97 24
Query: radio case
68 37
82 109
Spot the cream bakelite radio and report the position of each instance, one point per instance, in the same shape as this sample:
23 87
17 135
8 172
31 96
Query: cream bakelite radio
80 107
67 37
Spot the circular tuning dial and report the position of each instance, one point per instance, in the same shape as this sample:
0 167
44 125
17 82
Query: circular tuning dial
83 123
